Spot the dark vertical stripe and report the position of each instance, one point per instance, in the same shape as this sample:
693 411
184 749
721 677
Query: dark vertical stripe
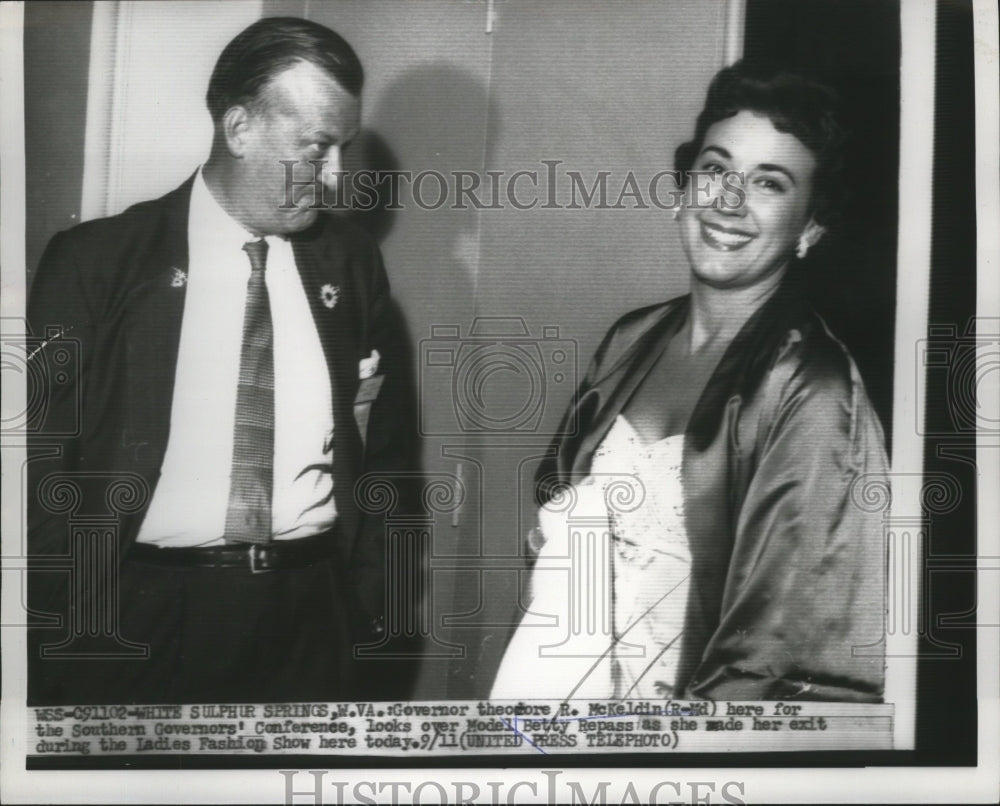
850 277
946 717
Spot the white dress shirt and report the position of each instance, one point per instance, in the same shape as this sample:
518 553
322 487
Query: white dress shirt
192 495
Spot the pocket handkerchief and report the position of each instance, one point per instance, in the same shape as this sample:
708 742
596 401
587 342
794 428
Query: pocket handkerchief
367 367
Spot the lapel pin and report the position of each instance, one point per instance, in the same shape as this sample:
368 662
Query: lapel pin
329 294
179 277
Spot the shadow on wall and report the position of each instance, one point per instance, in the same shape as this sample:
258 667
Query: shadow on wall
370 152
433 120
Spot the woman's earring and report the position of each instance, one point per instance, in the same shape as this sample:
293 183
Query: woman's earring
803 248
674 212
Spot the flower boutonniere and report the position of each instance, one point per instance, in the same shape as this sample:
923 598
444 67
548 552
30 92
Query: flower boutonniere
178 277
329 294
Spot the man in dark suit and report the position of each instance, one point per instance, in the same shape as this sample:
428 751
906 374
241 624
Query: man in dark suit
236 367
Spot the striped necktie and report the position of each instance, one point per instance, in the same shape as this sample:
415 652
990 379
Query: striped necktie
251 483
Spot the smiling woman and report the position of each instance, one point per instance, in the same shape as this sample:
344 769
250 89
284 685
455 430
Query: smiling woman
735 246
724 437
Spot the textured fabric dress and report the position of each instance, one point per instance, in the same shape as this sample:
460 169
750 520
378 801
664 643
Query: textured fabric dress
609 589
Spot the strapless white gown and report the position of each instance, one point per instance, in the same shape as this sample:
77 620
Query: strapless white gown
609 589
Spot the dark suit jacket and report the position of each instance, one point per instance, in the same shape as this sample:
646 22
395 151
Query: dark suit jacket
109 288
788 558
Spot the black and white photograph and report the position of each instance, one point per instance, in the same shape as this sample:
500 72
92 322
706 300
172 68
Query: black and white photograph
500 401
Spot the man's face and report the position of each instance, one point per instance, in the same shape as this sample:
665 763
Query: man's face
305 115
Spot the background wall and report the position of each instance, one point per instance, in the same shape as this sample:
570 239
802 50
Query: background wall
148 77
114 102
56 55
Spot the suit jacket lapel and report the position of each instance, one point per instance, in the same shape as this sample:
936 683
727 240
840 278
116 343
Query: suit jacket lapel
327 287
332 301
153 312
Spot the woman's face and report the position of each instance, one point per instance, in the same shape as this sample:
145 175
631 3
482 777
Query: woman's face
730 244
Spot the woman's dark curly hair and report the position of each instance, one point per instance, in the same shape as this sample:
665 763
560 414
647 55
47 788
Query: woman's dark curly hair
795 105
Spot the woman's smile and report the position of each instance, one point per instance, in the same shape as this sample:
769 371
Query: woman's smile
725 239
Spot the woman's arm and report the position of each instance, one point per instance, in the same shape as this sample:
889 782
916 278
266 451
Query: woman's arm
803 609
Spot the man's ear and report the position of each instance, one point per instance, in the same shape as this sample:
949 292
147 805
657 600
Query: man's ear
236 129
